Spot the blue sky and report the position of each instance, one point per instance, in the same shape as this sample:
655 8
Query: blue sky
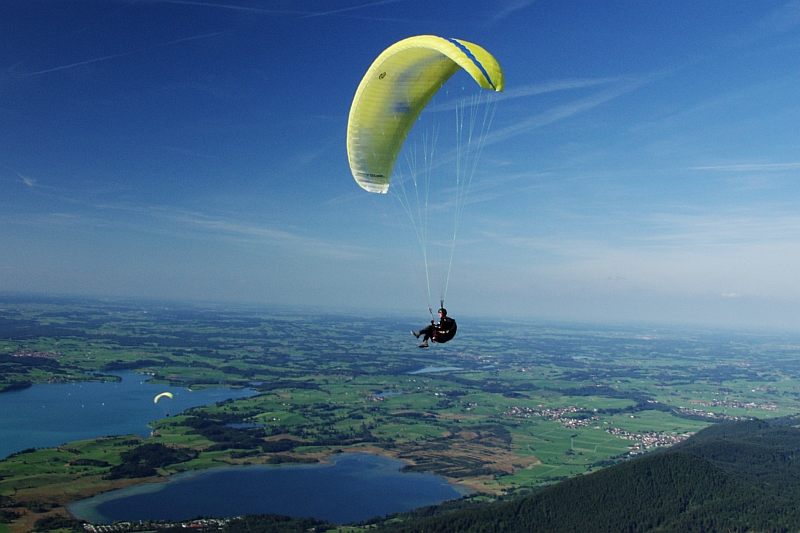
643 164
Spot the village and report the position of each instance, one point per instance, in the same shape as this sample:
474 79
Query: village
565 416
648 440
199 524
571 416
737 404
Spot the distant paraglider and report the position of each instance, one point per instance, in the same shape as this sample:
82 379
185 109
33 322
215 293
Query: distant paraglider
162 395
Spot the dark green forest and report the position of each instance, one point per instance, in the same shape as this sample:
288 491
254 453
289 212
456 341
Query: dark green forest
143 460
730 477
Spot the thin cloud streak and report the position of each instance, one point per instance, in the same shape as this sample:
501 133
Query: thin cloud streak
673 234
164 219
268 11
351 8
781 19
227 229
117 56
749 167
563 112
553 86
222 227
543 119
512 7
724 229
232 7
27 181
520 92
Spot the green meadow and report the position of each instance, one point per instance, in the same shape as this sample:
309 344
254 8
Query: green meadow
504 407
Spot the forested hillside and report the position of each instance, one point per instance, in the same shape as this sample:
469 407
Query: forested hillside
730 477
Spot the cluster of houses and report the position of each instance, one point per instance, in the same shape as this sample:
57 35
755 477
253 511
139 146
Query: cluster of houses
567 417
648 440
737 404
564 415
202 524
34 353
710 415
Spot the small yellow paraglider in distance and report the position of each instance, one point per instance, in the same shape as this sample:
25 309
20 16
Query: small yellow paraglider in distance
162 395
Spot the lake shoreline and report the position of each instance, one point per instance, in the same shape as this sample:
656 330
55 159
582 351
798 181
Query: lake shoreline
391 469
58 497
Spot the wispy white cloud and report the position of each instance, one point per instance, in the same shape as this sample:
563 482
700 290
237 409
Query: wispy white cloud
109 57
746 178
724 228
181 223
175 223
27 181
510 8
75 64
554 86
232 7
782 19
407 190
750 167
272 11
666 233
564 111
730 255
350 9
186 224
730 295
515 93
727 99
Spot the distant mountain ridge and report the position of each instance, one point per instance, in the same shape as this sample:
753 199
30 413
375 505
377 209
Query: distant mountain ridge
742 476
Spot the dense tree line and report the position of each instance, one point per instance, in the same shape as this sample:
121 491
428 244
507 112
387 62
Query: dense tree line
14 386
224 435
143 460
58 523
275 524
731 477
133 364
22 364
8 515
31 329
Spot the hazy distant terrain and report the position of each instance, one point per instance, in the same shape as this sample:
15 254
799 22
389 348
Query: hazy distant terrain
504 408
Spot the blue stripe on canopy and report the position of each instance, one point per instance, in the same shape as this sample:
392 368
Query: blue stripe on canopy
474 59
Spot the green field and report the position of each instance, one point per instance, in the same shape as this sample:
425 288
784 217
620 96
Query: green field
504 407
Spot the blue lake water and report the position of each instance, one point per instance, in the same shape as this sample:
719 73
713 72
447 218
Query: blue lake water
352 487
52 414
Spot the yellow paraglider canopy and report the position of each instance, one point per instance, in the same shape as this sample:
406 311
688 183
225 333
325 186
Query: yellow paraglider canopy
393 92
162 395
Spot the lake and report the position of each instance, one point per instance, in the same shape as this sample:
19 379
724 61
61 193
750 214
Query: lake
51 414
352 487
